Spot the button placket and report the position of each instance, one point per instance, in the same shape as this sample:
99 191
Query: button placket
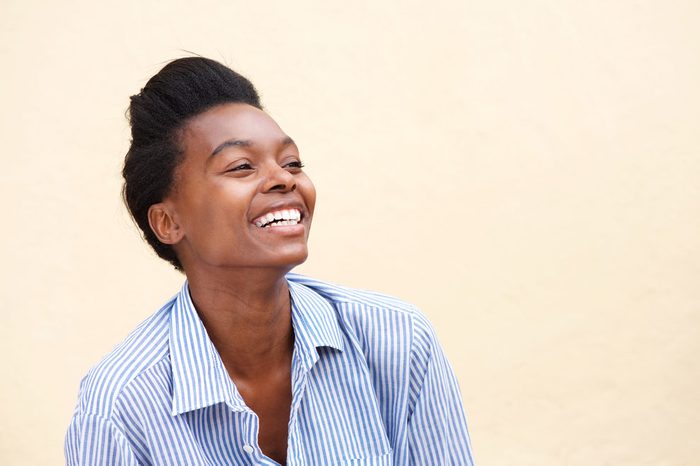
299 380
250 437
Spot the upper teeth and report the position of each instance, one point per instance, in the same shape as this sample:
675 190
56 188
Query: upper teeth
280 217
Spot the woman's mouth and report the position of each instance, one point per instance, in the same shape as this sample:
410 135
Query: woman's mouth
281 217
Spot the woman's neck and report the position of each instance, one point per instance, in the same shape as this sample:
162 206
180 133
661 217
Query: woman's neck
247 314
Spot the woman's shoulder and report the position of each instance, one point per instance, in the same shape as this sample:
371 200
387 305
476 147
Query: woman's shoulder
369 312
339 294
139 352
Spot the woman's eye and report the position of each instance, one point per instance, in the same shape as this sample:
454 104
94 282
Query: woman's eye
295 164
241 167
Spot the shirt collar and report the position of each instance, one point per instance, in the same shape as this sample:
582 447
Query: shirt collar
198 373
199 376
315 323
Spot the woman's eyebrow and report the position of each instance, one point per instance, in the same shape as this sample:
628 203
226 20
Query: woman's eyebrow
286 141
230 143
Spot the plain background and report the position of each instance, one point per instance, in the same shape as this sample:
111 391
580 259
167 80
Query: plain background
528 173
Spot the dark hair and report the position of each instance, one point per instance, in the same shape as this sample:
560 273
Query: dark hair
181 90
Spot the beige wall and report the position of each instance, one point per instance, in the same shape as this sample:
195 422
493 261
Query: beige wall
528 173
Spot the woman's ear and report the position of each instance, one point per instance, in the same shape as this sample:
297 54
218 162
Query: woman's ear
163 222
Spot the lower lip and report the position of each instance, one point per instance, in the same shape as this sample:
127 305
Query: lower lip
283 230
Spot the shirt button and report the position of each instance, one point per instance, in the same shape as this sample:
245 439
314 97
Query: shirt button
248 448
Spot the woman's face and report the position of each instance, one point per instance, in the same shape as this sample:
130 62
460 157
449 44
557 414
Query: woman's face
240 197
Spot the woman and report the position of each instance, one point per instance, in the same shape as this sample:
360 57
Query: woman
249 364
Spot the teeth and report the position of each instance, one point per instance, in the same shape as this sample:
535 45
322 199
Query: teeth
280 217
281 223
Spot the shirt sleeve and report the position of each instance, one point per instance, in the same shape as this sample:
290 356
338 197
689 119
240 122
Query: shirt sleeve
94 440
437 425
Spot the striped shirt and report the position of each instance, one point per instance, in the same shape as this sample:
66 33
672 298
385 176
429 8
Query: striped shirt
370 386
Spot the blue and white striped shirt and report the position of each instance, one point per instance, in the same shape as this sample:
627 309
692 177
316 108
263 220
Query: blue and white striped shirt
370 386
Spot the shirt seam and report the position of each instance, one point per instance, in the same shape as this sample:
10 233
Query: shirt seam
410 310
120 392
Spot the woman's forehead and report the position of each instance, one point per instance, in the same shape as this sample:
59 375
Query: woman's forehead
241 123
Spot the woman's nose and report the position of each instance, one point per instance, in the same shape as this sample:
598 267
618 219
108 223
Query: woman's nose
279 179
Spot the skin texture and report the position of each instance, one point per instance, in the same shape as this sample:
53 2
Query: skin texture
234 268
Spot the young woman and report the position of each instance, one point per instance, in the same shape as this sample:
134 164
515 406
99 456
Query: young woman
250 364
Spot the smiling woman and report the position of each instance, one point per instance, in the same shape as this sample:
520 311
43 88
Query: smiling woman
250 364
224 189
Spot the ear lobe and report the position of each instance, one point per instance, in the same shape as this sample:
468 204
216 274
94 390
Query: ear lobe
163 224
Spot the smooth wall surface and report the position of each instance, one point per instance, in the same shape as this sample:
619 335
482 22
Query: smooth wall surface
528 173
